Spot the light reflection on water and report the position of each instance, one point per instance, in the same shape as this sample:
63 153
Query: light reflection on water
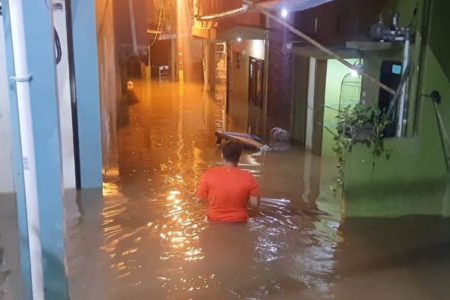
156 231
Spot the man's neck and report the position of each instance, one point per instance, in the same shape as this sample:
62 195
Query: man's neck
230 165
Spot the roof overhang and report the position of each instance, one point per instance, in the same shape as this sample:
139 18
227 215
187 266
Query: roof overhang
310 51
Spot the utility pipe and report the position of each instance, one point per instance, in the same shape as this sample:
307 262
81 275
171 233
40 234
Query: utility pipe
133 27
402 103
225 14
318 45
22 79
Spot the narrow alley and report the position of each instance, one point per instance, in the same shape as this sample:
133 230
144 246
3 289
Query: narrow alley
224 149
154 235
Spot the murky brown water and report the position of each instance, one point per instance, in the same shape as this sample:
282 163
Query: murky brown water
155 238
152 240
147 236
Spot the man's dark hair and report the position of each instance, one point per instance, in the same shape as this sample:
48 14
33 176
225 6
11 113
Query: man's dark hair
231 152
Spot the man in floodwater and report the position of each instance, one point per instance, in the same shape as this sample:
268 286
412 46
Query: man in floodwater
228 189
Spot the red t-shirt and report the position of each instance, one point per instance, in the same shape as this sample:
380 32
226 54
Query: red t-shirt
228 190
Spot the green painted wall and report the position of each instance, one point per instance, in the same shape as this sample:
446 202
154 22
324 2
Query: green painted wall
414 181
336 72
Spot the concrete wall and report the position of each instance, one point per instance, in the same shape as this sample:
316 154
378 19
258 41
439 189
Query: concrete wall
6 172
143 14
299 98
413 181
279 79
110 80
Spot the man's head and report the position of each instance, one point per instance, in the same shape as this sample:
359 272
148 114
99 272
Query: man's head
231 152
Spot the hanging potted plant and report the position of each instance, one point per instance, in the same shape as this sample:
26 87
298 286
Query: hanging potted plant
358 124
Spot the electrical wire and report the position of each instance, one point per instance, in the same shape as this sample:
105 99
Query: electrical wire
161 8
57 46
413 18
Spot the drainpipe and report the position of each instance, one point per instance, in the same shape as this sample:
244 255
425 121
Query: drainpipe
22 79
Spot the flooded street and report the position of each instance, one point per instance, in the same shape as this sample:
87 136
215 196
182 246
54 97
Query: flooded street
155 235
148 237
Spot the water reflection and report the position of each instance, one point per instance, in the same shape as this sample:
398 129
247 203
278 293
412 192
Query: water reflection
156 233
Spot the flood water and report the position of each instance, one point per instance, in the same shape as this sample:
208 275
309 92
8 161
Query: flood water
145 235
148 237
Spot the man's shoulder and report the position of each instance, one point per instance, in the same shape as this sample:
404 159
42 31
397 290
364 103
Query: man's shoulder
214 170
221 170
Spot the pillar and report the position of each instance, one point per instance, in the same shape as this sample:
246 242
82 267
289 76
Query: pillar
87 89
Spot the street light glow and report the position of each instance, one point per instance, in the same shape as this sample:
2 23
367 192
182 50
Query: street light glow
284 13
239 39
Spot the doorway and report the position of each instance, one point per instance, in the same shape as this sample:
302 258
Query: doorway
255 95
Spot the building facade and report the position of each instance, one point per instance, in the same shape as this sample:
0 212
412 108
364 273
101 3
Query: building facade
303 88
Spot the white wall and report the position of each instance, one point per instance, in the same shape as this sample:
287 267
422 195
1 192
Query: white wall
6 173
6 179
64 96
253 48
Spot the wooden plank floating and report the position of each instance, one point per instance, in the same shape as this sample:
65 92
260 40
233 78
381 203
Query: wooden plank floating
241 138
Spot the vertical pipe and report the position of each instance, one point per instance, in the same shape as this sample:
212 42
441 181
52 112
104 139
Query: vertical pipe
402 103
149 61
19 184
311 105
133 27
23 78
